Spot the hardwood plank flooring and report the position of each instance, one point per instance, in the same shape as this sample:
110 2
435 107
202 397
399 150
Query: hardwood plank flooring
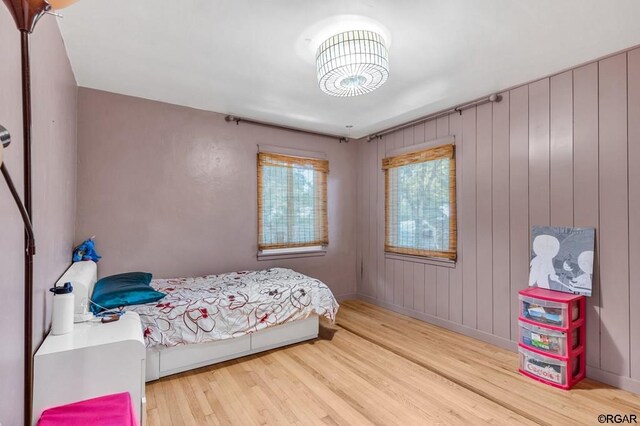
377 367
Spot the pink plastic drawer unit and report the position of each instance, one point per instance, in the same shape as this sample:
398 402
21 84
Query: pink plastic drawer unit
552 309
552 336
550 341
561 373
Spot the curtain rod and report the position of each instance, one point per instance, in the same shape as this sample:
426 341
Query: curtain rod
492 98
237 120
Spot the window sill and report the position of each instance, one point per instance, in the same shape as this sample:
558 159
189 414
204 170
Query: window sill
292 254
420 259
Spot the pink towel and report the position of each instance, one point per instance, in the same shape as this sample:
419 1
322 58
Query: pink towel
109 410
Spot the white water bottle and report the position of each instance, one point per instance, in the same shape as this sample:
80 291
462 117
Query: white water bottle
63 309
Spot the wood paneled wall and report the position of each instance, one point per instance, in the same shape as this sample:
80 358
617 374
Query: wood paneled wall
562 151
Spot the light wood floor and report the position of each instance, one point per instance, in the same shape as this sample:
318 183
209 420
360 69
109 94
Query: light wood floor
377 367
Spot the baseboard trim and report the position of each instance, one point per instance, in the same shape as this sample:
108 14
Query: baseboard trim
467 331
612 379
625 383
346 297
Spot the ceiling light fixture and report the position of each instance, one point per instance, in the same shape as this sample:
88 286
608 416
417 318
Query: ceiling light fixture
352 63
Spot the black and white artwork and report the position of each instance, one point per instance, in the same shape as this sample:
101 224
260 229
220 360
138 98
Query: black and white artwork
562 259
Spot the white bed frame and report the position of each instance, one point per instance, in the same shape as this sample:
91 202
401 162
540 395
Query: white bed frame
161 362
166 361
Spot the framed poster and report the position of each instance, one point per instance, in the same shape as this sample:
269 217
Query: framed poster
562 259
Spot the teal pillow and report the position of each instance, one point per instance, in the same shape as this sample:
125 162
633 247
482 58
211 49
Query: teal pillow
131 288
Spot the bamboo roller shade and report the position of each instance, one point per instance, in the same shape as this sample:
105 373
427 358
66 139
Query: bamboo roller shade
292 201
406 242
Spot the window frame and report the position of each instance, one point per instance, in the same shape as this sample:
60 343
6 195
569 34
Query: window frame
433 150
316 248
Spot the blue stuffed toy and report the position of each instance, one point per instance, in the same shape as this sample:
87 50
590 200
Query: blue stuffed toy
86 251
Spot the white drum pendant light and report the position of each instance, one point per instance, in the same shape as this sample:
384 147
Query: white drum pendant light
352 63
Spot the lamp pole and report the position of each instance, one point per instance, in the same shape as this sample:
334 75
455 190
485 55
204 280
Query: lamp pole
29 242
26 14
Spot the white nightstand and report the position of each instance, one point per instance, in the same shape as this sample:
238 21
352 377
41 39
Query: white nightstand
95 359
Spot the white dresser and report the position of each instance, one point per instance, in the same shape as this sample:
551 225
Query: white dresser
94 360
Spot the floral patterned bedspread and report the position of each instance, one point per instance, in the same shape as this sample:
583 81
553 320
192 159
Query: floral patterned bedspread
217 307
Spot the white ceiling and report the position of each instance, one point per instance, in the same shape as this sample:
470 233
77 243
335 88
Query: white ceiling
255 58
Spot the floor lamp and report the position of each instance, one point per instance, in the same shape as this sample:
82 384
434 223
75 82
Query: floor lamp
26 14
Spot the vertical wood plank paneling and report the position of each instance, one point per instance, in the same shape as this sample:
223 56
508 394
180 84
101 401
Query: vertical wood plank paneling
364 222
408 136
366 278
442 307
614 224
389 276
360 210
468 219
430 283
408 284
442 293
500 218
388 264
586 187
519 197
418 287
634 209
442 126
418 133
442 288
398 282
430 130
382 284
539 211
561 149
398 137
484 166
455 274
373 217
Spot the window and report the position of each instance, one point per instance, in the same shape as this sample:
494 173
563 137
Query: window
292 202
420 203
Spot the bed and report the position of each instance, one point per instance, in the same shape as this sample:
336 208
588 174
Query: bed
215 318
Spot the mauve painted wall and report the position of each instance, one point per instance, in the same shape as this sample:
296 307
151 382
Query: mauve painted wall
172 190
560 151
54 178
